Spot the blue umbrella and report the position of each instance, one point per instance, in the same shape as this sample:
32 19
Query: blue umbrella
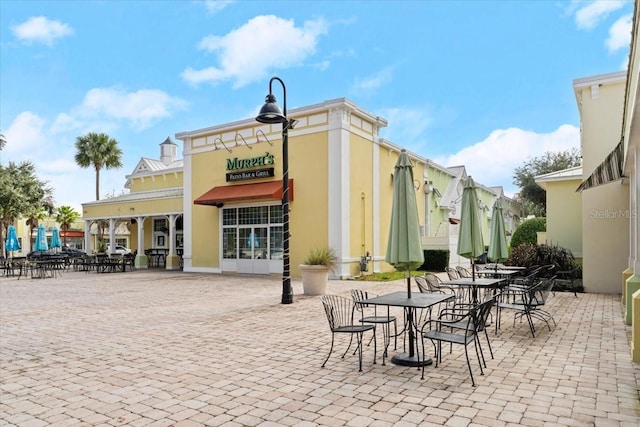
55 238
11 244
41 240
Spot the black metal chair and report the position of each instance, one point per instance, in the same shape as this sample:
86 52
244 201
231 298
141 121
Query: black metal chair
463 272
528 302
370 314
340 315
472 321
452 273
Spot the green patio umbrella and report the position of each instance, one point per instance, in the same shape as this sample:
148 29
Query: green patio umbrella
470 243
498 237
404 249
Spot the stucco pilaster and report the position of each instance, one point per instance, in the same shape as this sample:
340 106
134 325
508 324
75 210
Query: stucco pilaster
339 185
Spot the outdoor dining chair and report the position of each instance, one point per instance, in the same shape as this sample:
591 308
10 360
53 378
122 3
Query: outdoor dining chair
370 314
452 273
463 272
340 313
472 322
527 302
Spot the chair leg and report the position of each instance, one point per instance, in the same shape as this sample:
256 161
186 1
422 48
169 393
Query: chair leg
466 354
359 337
330 350
486 335
349 346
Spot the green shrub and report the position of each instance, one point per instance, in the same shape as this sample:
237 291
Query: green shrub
527 231
435 260
529 254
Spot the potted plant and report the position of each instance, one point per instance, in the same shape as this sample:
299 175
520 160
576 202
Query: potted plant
315 270
102 246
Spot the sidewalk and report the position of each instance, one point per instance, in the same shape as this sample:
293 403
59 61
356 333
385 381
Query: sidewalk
150 348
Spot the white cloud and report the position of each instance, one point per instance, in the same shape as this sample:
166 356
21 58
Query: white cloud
491 162
590 15
373 82
25 134
620 34
407 126
106 105
50 146
29 139
215 6
250 52
39 29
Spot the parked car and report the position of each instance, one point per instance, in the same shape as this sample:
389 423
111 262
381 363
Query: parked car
121 250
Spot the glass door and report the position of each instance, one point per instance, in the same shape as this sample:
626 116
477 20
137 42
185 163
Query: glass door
253 255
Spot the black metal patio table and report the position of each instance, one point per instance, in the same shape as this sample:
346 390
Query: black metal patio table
478 283
417 301
497 273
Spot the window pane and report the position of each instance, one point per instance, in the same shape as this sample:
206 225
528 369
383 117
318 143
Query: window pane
160 225
253 215
275 214
229 216
229 243
275 242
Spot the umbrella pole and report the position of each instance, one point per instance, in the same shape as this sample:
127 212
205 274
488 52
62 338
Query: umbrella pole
408 283
473 270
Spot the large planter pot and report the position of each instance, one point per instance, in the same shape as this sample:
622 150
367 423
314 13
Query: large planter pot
314 279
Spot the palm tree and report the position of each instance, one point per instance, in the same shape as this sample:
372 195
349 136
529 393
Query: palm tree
100 151
66 216
3 141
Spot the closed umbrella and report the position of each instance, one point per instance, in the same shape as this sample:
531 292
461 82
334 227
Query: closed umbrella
470 243
404 249
11 244
498 250
41 240
55 238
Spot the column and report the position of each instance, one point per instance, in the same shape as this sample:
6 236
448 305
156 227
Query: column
173 260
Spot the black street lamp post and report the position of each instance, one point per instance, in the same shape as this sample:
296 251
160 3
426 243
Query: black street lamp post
270 113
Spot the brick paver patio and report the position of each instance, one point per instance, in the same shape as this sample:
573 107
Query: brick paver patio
151 348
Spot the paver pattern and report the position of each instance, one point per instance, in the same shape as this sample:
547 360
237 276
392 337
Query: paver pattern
155 348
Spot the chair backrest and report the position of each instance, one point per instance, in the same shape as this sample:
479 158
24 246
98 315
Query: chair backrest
481 312
423 285
542 291
433 281
359 295
531 278
463 272
339 310
452 273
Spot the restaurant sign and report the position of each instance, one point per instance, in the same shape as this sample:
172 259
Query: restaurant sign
238 168
252 174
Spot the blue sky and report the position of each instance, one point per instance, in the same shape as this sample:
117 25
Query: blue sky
486 84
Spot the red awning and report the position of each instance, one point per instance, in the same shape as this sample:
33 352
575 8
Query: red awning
72 233
235 193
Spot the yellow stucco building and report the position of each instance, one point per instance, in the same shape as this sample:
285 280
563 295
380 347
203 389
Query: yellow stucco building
219 208
606 187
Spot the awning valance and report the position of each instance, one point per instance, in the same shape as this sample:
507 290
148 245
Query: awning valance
608 171
234 193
